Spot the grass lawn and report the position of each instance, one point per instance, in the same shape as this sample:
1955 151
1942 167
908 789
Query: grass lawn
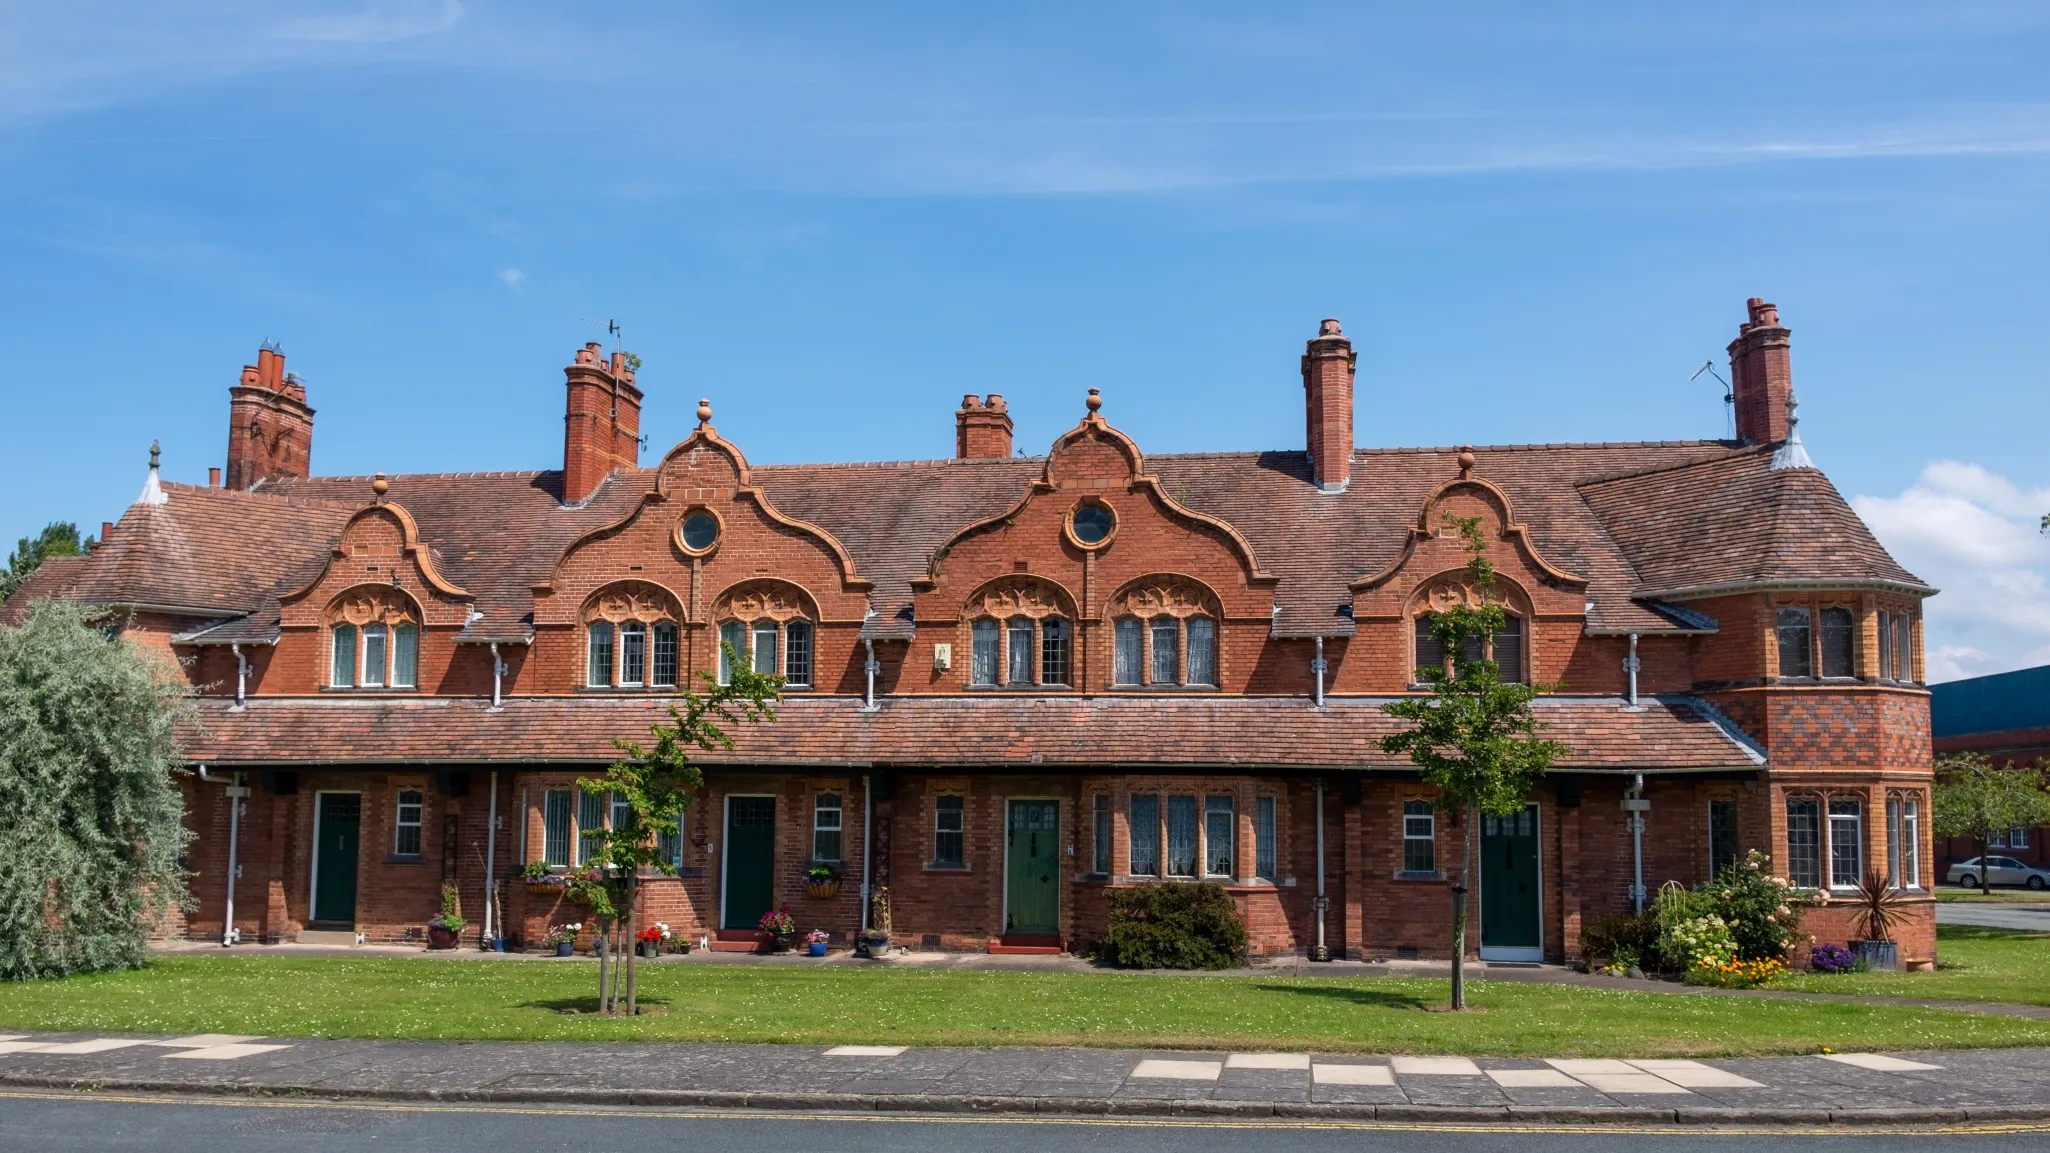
1977 964
2001 895
479 1000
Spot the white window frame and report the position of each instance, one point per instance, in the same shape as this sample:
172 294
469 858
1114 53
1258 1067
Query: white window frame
789 636
1856 821
1429 835
1101 838
1267 836
838 827
959 811
740 649
1231 810
400 824
334 652
611 633
640 629
382 633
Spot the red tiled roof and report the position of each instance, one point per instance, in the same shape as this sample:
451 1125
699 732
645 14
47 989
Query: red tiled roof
217 551
55 577
1676 733
1733 522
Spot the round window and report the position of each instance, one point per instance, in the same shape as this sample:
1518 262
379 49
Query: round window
700 529
1092 523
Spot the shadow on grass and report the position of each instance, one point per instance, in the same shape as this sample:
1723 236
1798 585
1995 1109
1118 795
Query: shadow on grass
1365 998
582 1006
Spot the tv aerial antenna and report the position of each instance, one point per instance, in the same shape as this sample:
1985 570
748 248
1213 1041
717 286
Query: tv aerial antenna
1729 394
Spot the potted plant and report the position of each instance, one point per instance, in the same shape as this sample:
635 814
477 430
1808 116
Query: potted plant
816 942
875 940
780 928
443 930
1879 908
821 882
541 879
564 938
651 941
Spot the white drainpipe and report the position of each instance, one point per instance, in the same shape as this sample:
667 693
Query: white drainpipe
871 666
1322 952
1631 664
497 680
235 791
491 849
1317 666
1635 804
241 674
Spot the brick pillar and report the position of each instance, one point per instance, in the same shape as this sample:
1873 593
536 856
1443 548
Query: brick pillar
277 922
1352 885
1569 882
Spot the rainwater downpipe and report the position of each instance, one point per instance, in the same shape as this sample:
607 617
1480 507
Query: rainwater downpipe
241 674
1634 801
871 666
1323 952
1630 665
1317 666
497 681
235 791
491 849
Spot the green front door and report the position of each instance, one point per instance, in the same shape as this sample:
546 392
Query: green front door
1511 929
750 860
1032 901
338 824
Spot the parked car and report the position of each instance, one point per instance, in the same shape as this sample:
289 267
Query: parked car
1998 871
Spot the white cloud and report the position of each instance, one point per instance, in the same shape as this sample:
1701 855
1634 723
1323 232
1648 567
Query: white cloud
1976 535
513 279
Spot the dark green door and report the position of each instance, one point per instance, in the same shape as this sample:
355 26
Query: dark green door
1510 912
750 860
338 826
1032 894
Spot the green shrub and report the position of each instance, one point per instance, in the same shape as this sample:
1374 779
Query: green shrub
1173 927
1622 939
1763 913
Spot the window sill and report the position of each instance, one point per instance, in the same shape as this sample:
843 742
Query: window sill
1020 688
371 690
628 690
405 859
1164 689
1417 877
936 867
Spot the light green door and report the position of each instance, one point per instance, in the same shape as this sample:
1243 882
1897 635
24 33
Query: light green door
1031 886
337 829
750 860
1511 923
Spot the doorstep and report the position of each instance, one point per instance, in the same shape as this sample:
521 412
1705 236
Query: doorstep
1026 945
345 938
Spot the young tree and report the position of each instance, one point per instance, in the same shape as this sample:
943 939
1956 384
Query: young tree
89 815
1474 736
57 539
1975 800
655 784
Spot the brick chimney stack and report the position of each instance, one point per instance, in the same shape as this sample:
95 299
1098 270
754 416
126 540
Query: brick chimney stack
602 427
1327 393
1761 375
982 428
270 425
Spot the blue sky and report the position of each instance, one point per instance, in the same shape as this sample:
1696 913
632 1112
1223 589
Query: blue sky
1535 225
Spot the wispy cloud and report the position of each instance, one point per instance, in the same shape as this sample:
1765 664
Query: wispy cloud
513 278
1974 534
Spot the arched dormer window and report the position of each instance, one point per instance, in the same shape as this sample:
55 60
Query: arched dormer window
630 637
1019 634
1509 648
373 639
1164 633
771 626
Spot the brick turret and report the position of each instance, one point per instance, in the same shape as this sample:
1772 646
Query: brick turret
1327 393
602 428
270 425
982 428
1761 375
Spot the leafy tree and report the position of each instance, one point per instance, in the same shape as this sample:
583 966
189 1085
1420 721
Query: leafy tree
1974 800
89 815
656 784
59 538
1474 736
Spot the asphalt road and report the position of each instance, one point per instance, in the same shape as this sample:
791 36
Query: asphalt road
2016 916
62 1123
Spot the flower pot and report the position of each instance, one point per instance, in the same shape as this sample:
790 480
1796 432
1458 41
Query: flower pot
440 938
565 948
498 944
875 944
545 888
1878 954
818 950
783 942
822 890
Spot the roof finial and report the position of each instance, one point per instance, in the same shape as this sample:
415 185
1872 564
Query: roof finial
152 488
704 410
1465 460
1094 402
1792 454
380 486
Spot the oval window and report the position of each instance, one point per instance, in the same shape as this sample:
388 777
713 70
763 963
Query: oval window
700 529
1092 523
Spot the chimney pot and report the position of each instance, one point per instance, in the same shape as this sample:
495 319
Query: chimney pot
982 429
106 530
1761 374
213 478
270 425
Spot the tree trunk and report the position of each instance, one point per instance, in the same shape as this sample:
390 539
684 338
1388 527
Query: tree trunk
1459 918
601 939
1985 869
633 1006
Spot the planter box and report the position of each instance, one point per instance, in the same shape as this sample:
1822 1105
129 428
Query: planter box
822 890
1878 954
440 938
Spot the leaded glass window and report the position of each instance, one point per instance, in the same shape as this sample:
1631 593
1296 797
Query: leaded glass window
982 657
1181 836
1145 832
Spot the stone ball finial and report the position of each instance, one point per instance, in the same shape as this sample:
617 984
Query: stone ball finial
156 453
1330 327
379 485
1095 400
1465 459
704 410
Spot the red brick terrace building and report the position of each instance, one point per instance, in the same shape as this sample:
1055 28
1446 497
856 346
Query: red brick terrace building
1019 682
